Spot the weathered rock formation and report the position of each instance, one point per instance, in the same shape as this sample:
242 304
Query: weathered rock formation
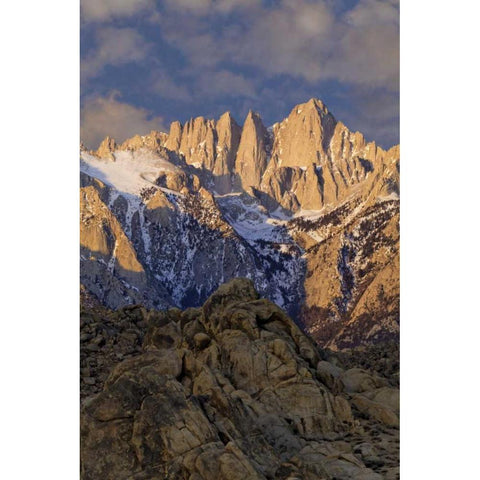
334 161
108 252
153 141
232 390
106 148
198 142
310 160
252 155
307 209
228 139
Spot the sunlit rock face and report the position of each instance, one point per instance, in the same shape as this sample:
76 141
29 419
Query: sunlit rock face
307 209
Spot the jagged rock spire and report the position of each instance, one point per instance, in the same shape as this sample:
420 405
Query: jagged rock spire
174 137
252 157
309 160
228 139
106 148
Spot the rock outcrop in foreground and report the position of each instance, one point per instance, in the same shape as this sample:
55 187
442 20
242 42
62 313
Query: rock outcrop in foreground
231 390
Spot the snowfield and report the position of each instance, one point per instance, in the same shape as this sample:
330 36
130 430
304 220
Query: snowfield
130 172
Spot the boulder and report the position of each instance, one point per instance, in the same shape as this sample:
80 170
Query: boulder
329 374
376 411
386 396
357 380
229 391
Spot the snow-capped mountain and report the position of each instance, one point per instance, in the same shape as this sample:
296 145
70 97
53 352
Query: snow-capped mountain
306 209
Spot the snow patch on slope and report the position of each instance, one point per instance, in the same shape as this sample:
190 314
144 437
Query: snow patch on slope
392 196
129 172
252 221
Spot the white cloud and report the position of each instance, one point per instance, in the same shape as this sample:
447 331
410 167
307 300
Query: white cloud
115 46
102 116
104 10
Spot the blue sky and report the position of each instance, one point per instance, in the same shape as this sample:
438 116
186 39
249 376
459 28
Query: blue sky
145 63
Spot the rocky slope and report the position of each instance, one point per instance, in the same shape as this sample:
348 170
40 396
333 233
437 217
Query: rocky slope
307 209
231 390
352 282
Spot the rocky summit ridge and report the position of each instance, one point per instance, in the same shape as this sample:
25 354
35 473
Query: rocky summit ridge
307 209
232 390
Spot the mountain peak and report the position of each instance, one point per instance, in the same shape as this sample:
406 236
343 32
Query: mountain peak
226 114
253 115
312 104
106 148
227 119
317 103
251 160
174 136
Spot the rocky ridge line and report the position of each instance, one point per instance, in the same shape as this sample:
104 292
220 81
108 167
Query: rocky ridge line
213 187
308 161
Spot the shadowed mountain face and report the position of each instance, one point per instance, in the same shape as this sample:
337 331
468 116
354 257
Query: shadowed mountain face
233 390
306 209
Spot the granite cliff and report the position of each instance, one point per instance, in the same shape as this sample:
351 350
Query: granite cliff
307 209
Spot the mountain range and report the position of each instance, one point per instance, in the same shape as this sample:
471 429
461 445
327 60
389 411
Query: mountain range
306 209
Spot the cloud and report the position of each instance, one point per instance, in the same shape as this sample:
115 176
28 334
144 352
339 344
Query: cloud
166 87
277 41
374 12
203 84
304 39
204 55
202 7
102 116
115 46
367 57
225 83
374 112
367 52
287 40
104 10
